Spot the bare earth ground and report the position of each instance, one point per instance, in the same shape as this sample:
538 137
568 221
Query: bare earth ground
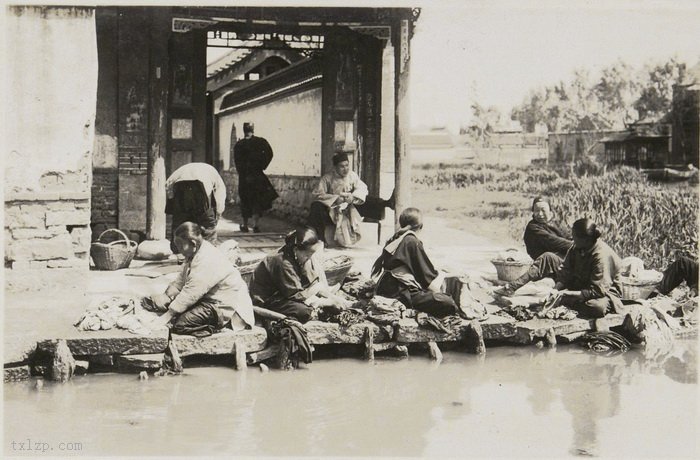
460 208
459 244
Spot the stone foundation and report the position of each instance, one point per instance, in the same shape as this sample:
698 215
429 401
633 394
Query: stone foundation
295 194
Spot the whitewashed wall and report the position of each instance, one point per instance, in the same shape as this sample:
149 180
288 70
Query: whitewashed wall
52 78
291 125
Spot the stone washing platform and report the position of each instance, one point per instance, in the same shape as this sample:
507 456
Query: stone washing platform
126 352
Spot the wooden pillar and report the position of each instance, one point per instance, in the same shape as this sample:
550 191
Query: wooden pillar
158 127
401 32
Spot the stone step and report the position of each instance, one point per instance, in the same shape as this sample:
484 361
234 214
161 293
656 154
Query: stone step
494 328
16 374
110 342
320 333
138 363
527 331
221 343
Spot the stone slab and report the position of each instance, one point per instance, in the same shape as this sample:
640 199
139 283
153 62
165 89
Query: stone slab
16 374
101 360
321 333
526 331
111 342
137 363
494 328
221 343
18 351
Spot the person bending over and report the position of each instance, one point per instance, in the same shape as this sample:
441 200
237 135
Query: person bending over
407 274
196 193
293 281
208 293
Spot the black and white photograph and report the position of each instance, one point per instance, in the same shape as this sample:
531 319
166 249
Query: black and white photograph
369 229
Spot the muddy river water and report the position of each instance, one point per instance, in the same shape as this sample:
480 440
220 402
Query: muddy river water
514 402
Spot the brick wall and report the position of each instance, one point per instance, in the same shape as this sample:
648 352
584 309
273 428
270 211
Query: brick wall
47 230
294 194
105 198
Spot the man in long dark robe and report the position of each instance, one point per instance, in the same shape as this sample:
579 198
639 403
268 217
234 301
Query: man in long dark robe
252 155
546 242
409 276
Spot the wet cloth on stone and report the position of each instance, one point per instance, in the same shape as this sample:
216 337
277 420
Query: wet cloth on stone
358 286
460 289
126 312
292 336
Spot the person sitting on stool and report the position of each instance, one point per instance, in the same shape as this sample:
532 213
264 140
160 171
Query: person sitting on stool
335 198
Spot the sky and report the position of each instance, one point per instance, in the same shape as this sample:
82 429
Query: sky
494 52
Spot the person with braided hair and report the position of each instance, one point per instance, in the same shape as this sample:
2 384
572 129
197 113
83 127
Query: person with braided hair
406 273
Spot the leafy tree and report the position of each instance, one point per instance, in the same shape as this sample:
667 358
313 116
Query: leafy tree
484 122
657 92
619 96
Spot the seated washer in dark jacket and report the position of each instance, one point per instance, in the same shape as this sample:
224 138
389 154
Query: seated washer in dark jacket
285 281
546 242
407 274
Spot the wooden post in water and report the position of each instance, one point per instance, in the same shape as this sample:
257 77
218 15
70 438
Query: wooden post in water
369 343
239 350
159 73
434 351
475 338
401 37
62 363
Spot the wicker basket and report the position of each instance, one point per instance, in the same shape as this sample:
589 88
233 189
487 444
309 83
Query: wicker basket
114 255
247 268
337 268
633 289
510 269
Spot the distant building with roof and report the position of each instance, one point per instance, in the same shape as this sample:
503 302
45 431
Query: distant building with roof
669 141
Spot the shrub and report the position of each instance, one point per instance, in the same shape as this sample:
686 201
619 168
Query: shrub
654 222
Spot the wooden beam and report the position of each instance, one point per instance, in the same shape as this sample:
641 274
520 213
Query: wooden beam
401 33
158 127
262 355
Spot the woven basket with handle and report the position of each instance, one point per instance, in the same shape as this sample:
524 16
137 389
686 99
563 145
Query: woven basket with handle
633 289
510 269
113 255
336 270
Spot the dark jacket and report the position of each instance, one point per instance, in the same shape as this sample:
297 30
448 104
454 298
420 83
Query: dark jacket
540 238
594 272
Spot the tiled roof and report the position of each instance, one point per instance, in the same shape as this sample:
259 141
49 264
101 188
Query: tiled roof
227 60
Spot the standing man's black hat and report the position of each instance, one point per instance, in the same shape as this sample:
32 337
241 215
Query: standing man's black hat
248 127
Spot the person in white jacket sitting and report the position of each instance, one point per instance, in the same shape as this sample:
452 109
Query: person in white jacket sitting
208 293
335 198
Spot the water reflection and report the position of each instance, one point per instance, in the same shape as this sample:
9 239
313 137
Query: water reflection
515 402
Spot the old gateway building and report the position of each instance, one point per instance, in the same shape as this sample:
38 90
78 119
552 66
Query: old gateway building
108 101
